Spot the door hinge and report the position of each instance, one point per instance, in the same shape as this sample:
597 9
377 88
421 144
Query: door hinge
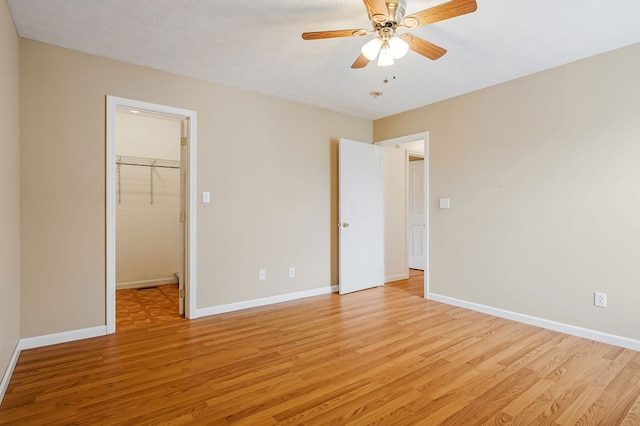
183 217
181 293
183 141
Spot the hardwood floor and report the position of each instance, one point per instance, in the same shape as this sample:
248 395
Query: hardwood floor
378 356
413 285
140 307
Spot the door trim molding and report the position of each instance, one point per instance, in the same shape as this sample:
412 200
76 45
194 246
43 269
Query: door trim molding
423 136
113 102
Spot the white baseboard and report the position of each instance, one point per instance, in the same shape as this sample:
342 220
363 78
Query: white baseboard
147 283
66 336
214 310
6 377
46 340
573 330
396 278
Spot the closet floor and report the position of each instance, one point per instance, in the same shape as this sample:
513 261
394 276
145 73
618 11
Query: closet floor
141 307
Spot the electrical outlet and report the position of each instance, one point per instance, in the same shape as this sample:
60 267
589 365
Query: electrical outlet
292 272
600 299
262 274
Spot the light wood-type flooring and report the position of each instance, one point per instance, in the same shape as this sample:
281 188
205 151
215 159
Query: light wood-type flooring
378 356
140 307
413 285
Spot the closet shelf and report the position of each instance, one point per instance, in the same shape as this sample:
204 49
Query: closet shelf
122 160
152 163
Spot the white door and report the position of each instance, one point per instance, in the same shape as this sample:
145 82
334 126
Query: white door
416 231
361 239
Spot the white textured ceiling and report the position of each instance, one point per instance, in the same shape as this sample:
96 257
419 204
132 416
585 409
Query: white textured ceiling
256 44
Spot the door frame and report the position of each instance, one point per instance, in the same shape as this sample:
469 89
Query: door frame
112 103
423 136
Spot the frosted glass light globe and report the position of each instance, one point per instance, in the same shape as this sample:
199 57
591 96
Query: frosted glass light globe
371 49
385 58
398 47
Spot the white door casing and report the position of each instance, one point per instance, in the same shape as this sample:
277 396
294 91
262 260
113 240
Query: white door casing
189 275
182 222
415 213
361 236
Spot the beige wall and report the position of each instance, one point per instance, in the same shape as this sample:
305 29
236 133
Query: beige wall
9 190
541 173
544 183
268 163
395 213
147 234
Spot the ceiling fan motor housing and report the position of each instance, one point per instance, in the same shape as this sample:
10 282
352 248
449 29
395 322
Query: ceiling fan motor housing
396 11
386 25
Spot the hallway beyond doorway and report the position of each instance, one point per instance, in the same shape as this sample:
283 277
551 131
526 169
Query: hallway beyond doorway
413 285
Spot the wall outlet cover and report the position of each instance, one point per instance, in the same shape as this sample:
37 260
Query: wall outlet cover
600 299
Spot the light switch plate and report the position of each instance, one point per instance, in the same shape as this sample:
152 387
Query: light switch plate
444 203
206 197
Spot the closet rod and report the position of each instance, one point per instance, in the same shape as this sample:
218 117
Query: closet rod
124 160
148 165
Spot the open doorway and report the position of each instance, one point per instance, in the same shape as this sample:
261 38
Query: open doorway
416 226
150 192
148 229
406 217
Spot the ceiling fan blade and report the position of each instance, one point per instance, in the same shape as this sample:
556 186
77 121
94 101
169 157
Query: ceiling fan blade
423 47
361 62
317 35
377 10
443 11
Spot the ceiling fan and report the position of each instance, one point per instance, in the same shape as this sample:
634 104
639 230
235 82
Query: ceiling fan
387 16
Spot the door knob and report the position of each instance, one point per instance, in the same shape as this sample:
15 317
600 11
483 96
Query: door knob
345 224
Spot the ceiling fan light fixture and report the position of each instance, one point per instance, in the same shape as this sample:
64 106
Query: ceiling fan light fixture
386 17
398 47
385 58
371 49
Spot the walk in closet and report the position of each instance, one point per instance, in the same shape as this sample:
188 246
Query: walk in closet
147 199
